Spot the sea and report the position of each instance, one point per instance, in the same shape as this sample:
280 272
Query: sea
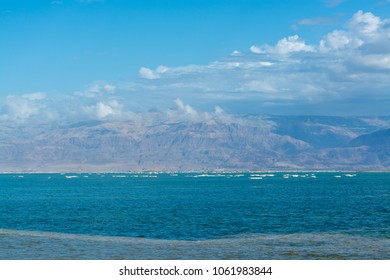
195 216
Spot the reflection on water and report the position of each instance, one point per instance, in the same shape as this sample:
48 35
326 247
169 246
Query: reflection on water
48 245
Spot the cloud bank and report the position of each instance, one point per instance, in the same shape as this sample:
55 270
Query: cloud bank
31 106
347 66
346 72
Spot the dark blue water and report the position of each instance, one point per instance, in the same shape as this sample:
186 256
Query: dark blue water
189 207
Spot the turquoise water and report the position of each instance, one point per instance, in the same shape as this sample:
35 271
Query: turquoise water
195 216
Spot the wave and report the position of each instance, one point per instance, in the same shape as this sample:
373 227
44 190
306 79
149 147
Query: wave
20 244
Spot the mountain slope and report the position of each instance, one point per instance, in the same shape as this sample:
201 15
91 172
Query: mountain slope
376 143
243 142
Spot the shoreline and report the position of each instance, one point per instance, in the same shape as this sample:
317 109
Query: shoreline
36 245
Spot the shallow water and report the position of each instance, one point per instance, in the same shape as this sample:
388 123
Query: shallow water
195 216
44 245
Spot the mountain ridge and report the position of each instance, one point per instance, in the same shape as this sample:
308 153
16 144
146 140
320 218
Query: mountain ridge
233 143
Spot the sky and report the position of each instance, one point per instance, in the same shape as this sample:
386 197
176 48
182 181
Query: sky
70 60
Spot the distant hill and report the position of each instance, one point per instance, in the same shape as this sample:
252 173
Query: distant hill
377 143
375 140
236 142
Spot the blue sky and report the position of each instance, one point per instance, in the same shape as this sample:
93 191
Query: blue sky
115 58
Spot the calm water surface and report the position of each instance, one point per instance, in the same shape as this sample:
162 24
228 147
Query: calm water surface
195 216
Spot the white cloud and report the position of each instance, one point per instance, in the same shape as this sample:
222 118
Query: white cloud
162 69
109 88
350 65
23 107
365 24
187 109
97 88
379 61
292 44
186 112
147 73
104 110
218 110
366 32
150 74
339 39
344 65
256 49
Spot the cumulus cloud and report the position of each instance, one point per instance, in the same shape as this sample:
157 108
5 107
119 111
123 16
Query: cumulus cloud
291 44
339 39
218 110
25 107
150 74
366 33
187 109
343 66
147 73
363 50
365 24
256 49
350 65
104 110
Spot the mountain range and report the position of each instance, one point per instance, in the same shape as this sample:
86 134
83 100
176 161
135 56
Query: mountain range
231 142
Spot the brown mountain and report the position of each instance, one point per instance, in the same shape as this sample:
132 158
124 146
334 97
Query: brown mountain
239 143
